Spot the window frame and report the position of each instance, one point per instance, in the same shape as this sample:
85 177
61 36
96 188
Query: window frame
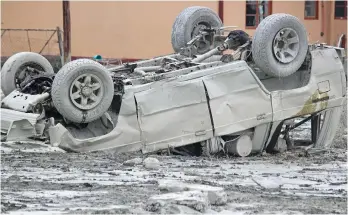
316 17
256 2
345 10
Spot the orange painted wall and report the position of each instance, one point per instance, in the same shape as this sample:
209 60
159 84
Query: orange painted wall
338 27
125 29
296 8
25 14
234 14
112 29
140 29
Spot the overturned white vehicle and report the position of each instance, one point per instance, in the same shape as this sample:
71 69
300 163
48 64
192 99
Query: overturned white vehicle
243 102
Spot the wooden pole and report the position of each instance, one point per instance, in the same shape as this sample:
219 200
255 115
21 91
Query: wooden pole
221 10
66 31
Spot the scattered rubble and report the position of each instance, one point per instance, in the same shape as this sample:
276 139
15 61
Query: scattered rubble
94 183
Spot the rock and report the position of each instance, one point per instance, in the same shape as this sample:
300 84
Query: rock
173 209
118 209
217 198
196 200
281 145
133 162
268 182
215 195
151 163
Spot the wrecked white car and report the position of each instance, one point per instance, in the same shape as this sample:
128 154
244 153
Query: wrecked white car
200 96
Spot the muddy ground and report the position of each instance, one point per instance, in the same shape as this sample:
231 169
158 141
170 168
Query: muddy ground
40 179
37 178
58 182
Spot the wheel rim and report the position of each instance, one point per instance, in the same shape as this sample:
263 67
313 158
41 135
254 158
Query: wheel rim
86 91
286 45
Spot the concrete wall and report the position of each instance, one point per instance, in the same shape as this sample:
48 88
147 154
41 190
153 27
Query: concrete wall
136 29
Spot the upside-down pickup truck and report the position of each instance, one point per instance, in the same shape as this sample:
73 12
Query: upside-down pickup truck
220 90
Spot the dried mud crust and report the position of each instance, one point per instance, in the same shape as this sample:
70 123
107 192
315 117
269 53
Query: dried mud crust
90 183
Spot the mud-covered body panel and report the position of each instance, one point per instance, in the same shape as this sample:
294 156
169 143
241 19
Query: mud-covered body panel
324 89
176 112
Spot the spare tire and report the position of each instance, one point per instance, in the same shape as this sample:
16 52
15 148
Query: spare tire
13 71
280 45
188 24
82 91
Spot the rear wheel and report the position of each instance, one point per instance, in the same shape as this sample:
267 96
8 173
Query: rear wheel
189 23
20 67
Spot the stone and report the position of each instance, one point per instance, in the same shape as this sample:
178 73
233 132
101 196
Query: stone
133 162
268 182
151 163
215 195
281 145
173 209
196 200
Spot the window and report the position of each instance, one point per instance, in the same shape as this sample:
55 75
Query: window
256 11
341 9
311 9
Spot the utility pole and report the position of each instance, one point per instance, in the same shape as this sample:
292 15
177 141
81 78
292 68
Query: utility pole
66 30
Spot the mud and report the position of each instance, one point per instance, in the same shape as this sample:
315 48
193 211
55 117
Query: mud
100 183
39 179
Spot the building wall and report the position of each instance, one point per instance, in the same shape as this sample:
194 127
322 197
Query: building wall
297 9
136 29
234 14
125 29
337 27
29 15
112 29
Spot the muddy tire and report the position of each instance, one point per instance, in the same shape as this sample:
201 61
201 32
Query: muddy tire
82 91
188 23
12 71
280 45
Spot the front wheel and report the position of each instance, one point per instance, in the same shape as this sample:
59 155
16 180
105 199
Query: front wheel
189 23
82 91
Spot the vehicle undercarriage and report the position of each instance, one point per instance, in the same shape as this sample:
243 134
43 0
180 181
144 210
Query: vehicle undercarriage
200 100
